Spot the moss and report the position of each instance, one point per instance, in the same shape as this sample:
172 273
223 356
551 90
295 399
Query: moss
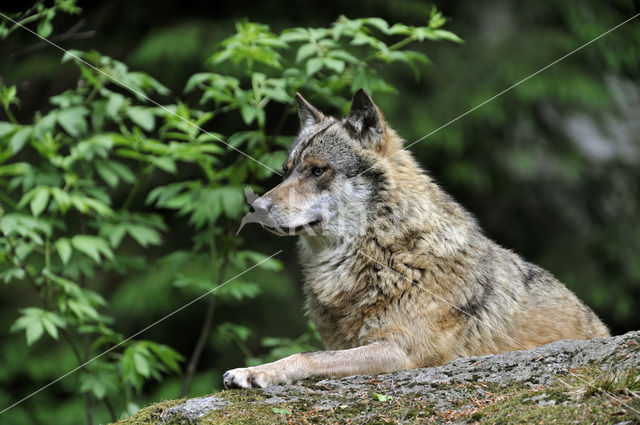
305 410
242 396
566 401
594 409
151 414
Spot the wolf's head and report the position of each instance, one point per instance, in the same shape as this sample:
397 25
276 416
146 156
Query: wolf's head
330 175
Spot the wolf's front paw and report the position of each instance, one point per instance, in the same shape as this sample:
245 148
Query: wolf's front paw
250 377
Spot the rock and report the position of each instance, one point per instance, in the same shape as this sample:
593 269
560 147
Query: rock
566 381
193 409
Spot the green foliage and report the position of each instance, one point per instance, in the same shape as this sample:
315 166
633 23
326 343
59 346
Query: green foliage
328 62
42 13
60 228
101 184
35 320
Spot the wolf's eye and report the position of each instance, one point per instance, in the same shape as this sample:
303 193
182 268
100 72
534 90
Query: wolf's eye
317 171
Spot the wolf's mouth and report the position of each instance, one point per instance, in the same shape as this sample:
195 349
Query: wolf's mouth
284 231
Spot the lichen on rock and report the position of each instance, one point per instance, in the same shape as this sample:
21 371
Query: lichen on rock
563 382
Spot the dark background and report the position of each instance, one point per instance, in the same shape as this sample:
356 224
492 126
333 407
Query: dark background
550 168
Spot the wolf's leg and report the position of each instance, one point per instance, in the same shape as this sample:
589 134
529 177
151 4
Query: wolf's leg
370 359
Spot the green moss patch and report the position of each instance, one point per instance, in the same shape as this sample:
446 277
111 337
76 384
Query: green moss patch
151 414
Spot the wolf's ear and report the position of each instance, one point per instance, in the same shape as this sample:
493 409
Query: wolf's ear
366 120
307 113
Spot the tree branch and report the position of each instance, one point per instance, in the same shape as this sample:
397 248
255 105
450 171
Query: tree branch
109 407
204 334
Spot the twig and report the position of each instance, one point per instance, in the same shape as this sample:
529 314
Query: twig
144 171
88 400
109 407
88 406
67 337
12 118
204 334
18 262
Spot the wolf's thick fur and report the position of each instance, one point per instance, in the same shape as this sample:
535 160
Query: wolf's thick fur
397 274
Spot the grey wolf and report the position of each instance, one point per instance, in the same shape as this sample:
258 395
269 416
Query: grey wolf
397 274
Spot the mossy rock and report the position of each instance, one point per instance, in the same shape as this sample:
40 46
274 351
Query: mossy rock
595 381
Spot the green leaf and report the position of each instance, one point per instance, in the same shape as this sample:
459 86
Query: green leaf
6 128
114 232
73 121
256 257
344 56
44 125
39 200
12 274
19 139
114 104
144 235
62 198
232 200
382 397
122 171
84 204
230 331
107 173
142 116
293 35
34 321
164 163
378 23
34 331
314 65
15 169
274 160
8 95
63 246
248 113
198 79
448 35
129 371
70 288
45 28
239 290
281 410
92 246
334 64
50 327
305 51
167 355
141 364
25 226
82 309
93 384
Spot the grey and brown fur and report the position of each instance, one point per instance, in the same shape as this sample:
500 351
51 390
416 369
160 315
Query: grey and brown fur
397 274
